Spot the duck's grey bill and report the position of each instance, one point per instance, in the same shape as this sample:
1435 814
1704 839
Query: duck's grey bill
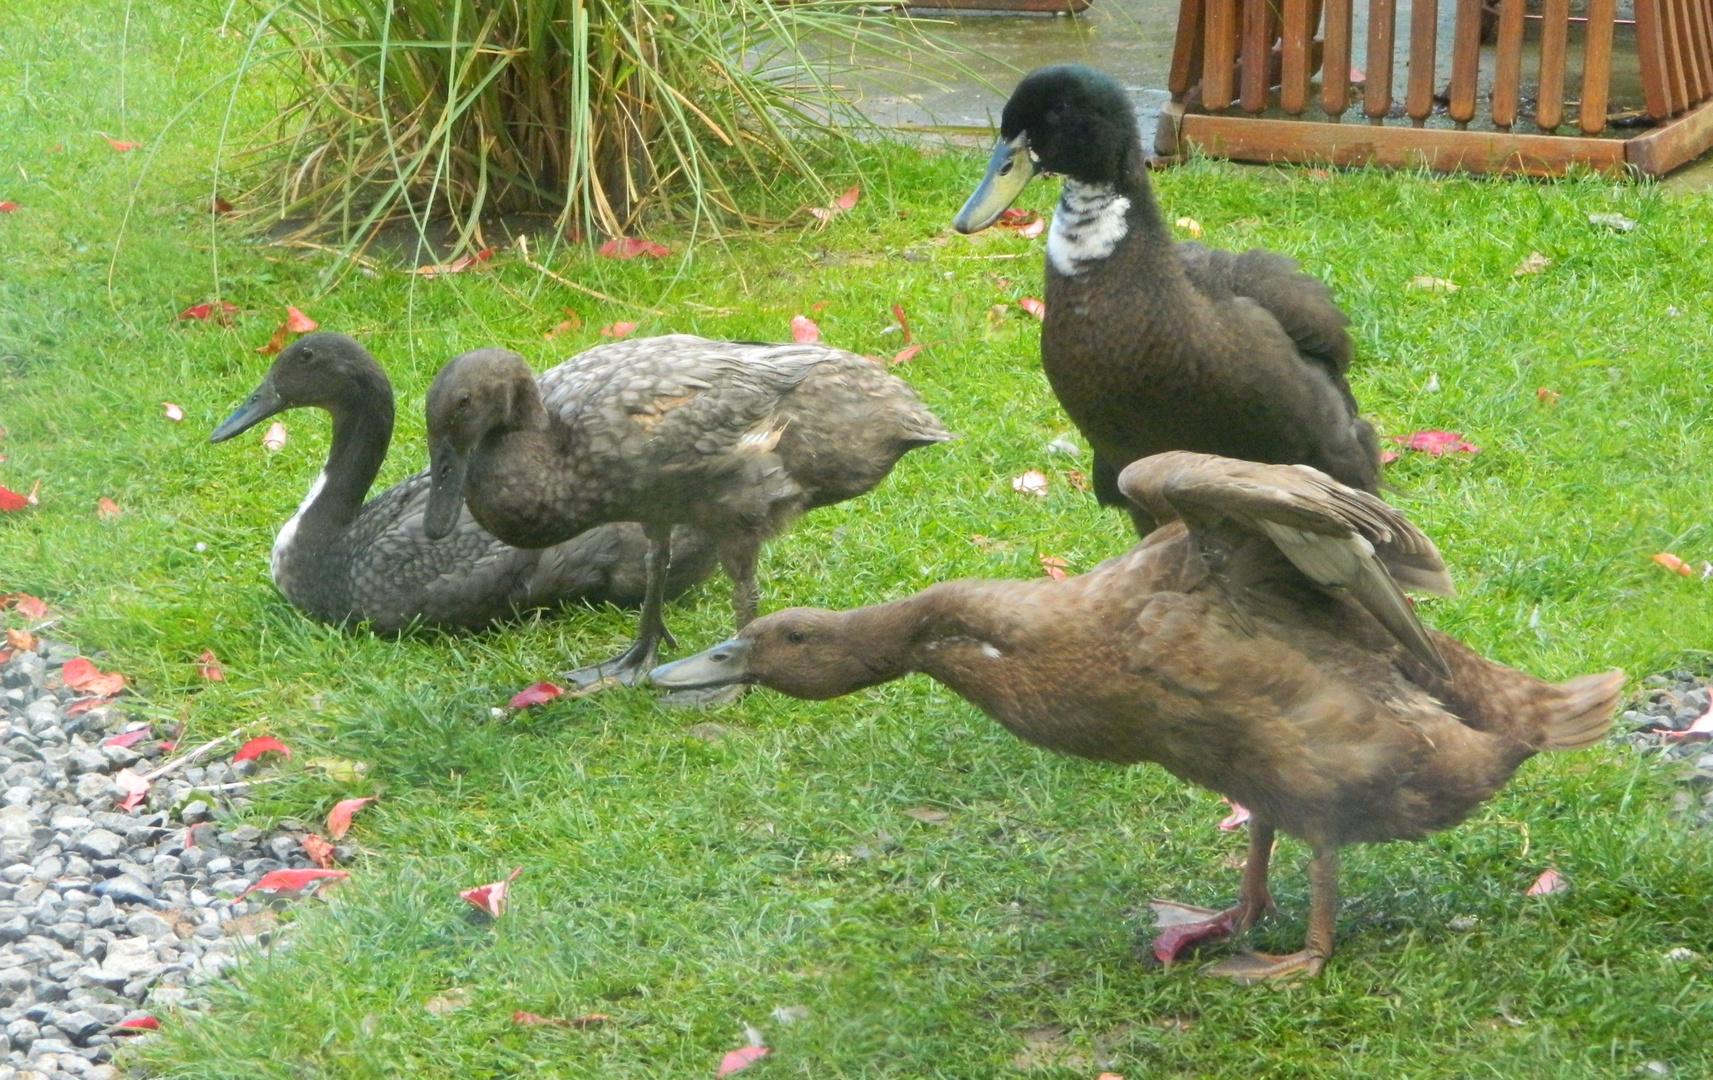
263 403
1007 172
446 469
722 665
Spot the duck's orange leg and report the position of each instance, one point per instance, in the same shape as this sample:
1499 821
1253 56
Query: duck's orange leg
1192 925
1323 917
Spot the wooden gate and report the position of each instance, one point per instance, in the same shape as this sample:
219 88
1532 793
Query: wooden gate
1242 69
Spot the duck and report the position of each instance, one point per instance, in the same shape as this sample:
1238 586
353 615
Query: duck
342 560
1259 644
736 438
1153 345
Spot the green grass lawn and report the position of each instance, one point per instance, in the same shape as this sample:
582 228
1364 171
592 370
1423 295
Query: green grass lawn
687 887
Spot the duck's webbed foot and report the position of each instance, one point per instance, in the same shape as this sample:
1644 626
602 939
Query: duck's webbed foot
1183 926
1246 969
626 669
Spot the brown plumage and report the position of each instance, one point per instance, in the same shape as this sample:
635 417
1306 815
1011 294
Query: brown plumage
1244 646
1152 345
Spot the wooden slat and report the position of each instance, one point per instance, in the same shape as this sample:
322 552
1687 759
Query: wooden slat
1186 49
1555 33
1597 63
1650 51
1302 142
1694 63
1663 149
1701 19
1257 53
1219 54
1508 64
1382 29
1672 35
1335 68
1295 32
1424 39
1466 60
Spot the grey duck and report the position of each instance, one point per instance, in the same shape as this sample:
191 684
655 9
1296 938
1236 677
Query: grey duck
1257 644
1152 345
735 438
340 560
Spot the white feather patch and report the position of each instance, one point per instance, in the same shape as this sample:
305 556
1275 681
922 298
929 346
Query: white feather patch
288 531
1087 226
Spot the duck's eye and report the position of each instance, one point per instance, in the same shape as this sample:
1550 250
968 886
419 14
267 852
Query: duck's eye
796 637
464 402
1005 170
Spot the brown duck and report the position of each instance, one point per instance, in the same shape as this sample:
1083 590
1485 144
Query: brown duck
1261 646
1152 345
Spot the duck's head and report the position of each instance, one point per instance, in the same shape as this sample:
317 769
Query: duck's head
1065 119
803 652
477 393
325 371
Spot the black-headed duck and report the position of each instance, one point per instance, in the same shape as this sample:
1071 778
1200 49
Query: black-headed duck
735 438
339 559
1152 345
1258 644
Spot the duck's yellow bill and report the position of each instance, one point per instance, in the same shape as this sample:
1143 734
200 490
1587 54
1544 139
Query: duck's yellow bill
1007 171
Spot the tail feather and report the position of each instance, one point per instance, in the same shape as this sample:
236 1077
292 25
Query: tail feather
1584 714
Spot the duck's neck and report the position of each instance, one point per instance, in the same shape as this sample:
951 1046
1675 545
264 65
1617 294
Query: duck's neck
942 626
362 429
1094 220
551 502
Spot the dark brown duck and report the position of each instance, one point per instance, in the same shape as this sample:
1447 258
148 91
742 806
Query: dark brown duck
339 559
735 438
1262 648
1152 345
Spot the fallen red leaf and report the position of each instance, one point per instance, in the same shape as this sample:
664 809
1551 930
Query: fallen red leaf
1054 567
456 266
1546 397
1030 483
219 207
129 738
82 676
122 147
261 744
106 509
1033 307
173 412
491 898
574 322
535 694
840 205
618 329
1702 728
12 500
629 247
1549 882
1237 818
209 667
275 343
297 322
905 354
1436 443
739 1059
27 605
1388 456
1672 562
1077 480
83 705
20 640
1015 218
7 207
1033 229
139 1023
293 879
319 851
339 818
197 311
903 323
136 788
274 439
804 331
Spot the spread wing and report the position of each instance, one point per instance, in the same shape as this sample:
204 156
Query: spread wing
1338 537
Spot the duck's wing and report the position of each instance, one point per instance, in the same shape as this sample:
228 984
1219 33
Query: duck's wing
1302 304
1337 536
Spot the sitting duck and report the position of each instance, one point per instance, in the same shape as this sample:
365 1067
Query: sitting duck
1259 644
341 560
1152 345
735 438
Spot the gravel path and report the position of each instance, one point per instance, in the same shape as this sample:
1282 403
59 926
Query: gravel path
106 914
1671 703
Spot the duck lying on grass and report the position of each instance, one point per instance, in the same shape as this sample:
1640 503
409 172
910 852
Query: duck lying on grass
1263 648
339 559
736 438
1152 345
